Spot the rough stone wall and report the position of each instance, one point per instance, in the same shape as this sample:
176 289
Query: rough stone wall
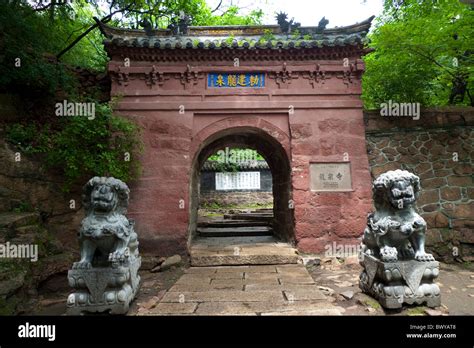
439 148
226 199
33 210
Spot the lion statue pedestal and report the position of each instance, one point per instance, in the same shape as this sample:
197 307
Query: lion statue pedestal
106 278
396 268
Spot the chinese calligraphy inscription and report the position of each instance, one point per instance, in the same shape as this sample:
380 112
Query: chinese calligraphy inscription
331 176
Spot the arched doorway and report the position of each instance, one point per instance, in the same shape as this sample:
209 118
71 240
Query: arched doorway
278 161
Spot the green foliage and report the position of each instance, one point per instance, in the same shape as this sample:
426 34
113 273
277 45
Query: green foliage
217 206
295 34
27 41
230 39
23 207
228 161
421 47
81 147
33 35
267 36
231 16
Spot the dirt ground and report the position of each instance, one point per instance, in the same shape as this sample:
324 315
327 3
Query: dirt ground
456 283
337 279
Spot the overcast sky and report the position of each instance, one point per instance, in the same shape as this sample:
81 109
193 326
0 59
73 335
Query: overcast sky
309 12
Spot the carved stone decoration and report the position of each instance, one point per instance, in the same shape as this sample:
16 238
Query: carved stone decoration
106 277
283 77
322 24
348 75
121 76
190 78
315 76
179 25
396 267
155 77
286 26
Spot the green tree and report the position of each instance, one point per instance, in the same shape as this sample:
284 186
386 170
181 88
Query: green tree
41 41
423 52
132 14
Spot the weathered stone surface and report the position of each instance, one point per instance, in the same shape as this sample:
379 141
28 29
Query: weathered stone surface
174 260
447 180
200 287
201 270
268 308
395 283
309 312
428 196
9 286
285 280
463 211
224 282
151 262
304 294
326 291
265 251
395 221
224 296
260 294
173 308
229 275
396 268
450 193
106 277
463 181
347 294
261 276
436 219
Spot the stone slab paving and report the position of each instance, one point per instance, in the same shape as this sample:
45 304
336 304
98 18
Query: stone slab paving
259 250
245 290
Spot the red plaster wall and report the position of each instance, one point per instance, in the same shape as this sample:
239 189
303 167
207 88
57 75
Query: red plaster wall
327 123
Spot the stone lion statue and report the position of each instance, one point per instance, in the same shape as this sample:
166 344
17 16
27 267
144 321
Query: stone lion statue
106 235
395 230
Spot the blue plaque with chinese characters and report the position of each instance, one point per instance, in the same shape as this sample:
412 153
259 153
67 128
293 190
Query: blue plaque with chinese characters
236 80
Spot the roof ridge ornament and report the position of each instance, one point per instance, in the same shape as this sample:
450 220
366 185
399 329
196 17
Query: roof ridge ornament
179 25
322 24
286 26
146 24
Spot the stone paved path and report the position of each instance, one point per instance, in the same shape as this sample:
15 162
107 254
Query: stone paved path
257 250
245 290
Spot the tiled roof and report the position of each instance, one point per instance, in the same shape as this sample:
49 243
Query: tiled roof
239 37
210 166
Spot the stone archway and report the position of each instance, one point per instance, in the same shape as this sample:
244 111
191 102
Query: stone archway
271 143
304 98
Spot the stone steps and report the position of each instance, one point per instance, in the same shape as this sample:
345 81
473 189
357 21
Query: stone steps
232 223
261 250
250 216
232 231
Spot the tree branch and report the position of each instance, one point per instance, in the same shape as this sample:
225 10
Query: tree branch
218 6
94 26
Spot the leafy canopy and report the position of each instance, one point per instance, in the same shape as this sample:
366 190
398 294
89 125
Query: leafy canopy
423 53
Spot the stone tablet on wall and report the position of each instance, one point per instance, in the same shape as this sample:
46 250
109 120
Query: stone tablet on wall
331 176
238 181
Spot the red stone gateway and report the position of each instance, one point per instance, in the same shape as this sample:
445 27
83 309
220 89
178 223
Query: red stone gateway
294 98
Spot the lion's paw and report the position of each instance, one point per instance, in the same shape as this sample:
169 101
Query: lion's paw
81 265
119 256
423 257
388 254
